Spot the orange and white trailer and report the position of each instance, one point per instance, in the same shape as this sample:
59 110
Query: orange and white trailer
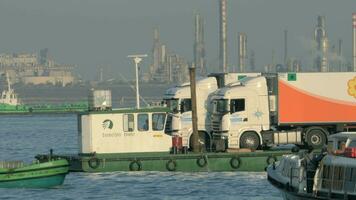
284 108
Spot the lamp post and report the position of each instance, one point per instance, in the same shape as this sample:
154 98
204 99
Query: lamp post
137 59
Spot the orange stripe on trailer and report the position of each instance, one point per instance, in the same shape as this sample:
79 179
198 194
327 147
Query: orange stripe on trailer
298 106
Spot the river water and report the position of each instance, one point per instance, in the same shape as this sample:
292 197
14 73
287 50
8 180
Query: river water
22 137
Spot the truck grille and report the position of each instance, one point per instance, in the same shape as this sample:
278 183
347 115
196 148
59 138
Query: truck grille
216 125
168 128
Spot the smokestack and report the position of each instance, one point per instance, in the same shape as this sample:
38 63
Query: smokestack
199 46
156 51
339 55
354 40
285 46
322 45
242 51
252 61
223 36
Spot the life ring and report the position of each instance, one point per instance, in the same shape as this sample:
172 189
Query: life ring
202 161
271 159
171 165
93 163
135 165
235 162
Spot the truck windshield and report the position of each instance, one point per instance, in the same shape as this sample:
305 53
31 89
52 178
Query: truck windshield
221 106
172 104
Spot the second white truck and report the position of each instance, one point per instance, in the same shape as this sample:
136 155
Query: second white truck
178 99
284 108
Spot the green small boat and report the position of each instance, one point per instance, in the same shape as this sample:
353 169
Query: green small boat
16 174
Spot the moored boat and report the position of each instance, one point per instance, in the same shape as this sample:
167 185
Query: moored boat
10 103
16 174
330 174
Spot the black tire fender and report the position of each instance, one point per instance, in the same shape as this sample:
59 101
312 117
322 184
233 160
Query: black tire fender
135 165
202 161
94 162
171 165
271 159
235 162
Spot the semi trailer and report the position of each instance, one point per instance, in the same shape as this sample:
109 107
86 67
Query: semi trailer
283 108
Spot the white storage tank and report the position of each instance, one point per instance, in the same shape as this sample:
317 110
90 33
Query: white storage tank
100 100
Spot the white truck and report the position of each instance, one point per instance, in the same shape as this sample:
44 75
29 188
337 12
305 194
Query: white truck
178 99
283 108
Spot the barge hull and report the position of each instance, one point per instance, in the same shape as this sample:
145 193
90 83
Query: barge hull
217 162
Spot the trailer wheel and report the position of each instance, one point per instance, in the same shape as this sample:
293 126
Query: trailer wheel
249 140
315 138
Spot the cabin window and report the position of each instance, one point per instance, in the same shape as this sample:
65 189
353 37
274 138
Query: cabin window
237 105
186 105
158 121
129 122
142 120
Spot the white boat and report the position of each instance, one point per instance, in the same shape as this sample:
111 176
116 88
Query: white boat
9 96
330 174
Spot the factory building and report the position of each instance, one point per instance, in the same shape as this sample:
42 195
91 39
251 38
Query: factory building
28 68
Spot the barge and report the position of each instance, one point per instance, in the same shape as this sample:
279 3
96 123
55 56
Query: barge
135 140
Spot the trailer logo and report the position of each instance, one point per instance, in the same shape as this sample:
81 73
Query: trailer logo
352 87
107 124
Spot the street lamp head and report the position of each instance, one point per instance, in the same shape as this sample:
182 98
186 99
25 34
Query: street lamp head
137 58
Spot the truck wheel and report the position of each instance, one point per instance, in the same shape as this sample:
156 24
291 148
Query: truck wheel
203 140
315 138
249 140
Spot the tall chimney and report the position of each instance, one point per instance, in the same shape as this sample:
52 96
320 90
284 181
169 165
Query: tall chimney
339 55
242 51
252 61
285 47
354 40
223 36
199 46
322 42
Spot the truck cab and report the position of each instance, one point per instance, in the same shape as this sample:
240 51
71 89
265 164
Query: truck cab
240 112
178 100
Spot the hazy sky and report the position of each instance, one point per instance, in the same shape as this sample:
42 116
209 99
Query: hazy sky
103 32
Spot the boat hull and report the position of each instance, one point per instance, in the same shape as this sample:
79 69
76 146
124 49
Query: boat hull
40 175
218 162
37 182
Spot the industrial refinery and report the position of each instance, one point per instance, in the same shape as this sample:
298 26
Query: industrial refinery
325 55
35 69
